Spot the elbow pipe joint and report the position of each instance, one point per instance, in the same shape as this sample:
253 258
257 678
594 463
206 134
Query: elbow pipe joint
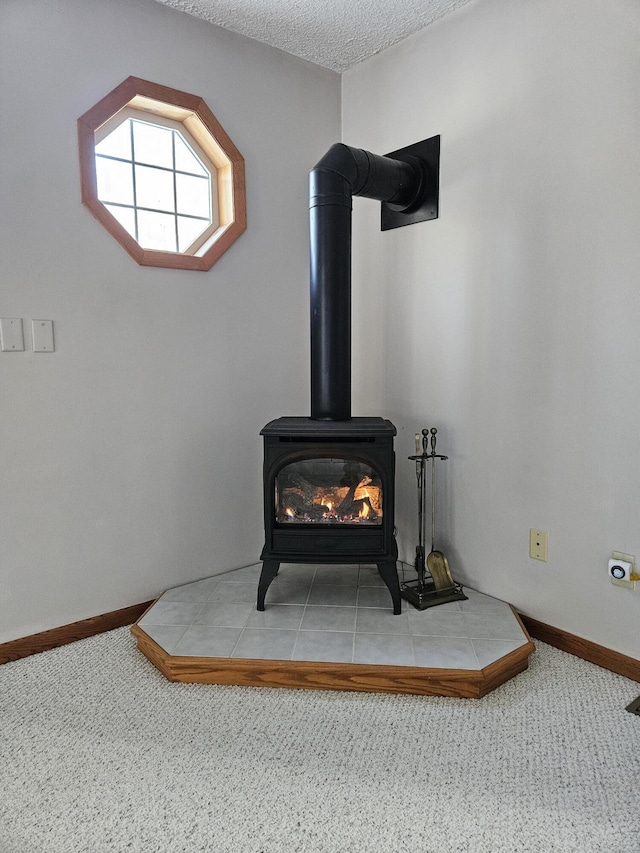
345 171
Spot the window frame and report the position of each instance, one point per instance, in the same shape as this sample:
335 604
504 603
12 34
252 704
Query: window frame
153 102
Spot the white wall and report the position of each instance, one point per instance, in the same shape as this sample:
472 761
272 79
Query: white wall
512 322
131 458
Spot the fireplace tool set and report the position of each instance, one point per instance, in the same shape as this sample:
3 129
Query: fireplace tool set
439 587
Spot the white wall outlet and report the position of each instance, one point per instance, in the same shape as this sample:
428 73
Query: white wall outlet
539 545
621 569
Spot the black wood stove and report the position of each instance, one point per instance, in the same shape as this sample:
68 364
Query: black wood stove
329 479
328 496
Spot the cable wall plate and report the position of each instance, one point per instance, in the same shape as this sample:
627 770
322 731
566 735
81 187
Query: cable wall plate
428 152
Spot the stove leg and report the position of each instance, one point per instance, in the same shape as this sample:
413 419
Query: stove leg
389 573
268 573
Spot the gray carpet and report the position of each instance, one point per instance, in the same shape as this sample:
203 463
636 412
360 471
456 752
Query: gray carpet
100 754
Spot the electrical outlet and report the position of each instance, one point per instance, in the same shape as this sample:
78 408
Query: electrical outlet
538 545
625 558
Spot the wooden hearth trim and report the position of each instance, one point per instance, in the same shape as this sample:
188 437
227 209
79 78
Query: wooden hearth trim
45 640
369 678
607 658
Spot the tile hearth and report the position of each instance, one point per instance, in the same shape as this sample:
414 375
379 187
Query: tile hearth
330 627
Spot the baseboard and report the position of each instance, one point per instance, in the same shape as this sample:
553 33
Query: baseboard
581 648
45 640
15 649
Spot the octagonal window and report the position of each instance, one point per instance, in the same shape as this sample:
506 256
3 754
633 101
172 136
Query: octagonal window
158 183
162 176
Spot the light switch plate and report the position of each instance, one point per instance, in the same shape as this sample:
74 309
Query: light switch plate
11 335
42 332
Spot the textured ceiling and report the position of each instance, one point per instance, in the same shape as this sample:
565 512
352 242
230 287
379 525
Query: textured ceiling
333 33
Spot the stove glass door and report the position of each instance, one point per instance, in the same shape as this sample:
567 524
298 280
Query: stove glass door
325 490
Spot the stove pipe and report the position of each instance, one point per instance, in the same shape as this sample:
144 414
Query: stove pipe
342 173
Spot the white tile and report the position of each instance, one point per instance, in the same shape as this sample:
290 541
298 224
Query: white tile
265 644
297 571
377 620
288 592
444 652
436 621
490 651
229 591
374 596
171 613
493 626
322 618
337 575
217 617
225 614
370 576
247 573
327 646
204 641
333 594
196 591
166 636
287 616
387 649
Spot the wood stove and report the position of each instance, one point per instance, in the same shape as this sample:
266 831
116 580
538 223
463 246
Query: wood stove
329 479
329 496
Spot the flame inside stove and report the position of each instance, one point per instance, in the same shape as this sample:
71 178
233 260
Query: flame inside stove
315 492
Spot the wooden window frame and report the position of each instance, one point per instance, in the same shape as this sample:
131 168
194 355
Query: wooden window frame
201 125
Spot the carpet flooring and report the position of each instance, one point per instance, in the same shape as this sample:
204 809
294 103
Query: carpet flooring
100 754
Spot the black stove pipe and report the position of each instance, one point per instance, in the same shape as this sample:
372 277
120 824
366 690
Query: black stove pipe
342 173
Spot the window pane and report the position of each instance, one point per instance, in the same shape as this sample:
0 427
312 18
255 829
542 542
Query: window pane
188 231
193 196
117 143
154 188
186 161
152 144
149 206
157 231
114 181
126 217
